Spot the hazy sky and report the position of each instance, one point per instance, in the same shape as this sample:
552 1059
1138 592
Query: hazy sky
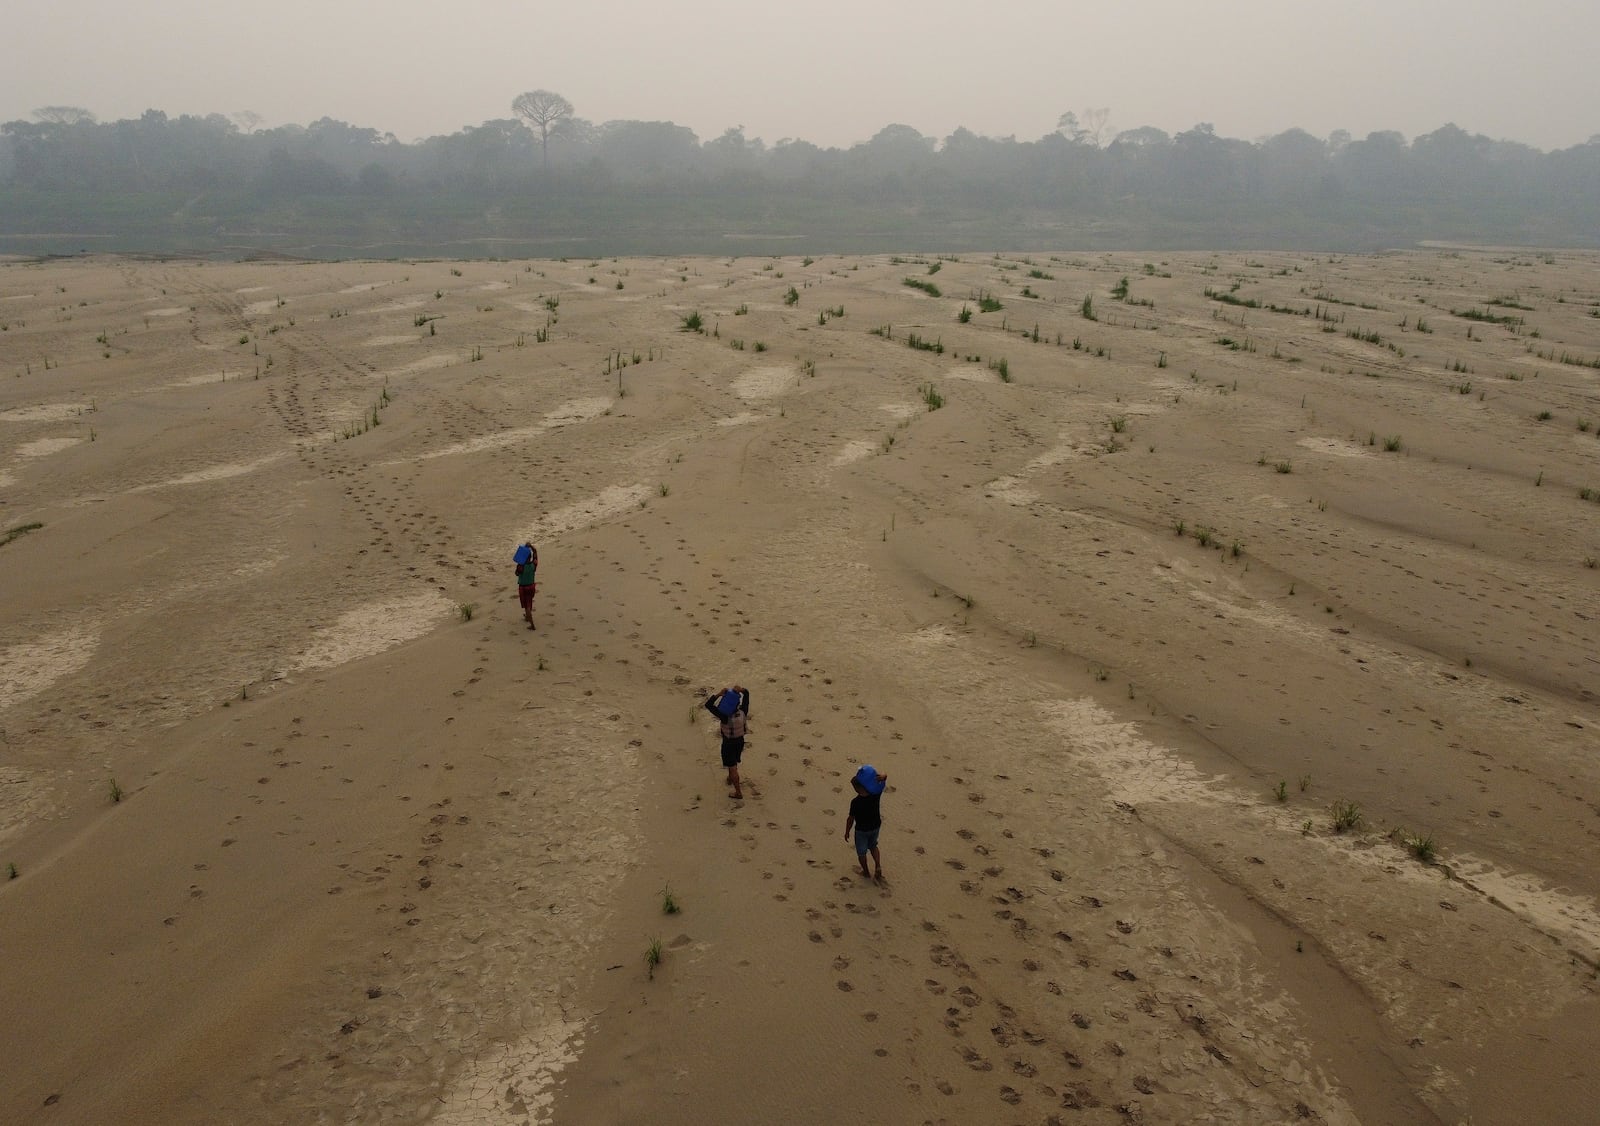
826 71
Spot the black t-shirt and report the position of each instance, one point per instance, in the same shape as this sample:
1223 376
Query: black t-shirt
864 809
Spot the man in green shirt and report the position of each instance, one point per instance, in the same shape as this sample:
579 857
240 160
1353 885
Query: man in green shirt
527 561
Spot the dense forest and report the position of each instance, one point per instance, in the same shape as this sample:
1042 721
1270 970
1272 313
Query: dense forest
546 182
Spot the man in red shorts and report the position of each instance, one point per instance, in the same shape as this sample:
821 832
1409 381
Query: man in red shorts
527 560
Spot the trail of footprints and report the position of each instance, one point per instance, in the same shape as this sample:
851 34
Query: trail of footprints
994 1040
1033 1053
1016 1046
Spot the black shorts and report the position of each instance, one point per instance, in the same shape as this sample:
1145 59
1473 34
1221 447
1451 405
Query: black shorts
732 751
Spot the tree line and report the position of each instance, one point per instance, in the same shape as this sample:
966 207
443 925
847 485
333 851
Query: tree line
545 180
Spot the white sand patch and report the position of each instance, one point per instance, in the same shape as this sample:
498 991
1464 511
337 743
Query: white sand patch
491 286
27 669
397 306
251 289
1338 447
429 363
972 374
213 473
1137 771
513 1082
1011 490
1266 501
764 383
1552 911
19 297
369 630
577 410
6 480
609 502
929 636
169 311
44 447
256 308
739 419
362 288
856 450
393 338
44 412
1064 451
1134 769
197 380
902 410
478 445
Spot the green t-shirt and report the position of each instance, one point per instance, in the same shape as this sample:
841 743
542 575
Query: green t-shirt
525 574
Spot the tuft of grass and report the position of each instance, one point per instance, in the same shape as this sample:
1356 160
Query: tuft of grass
669 904
1119 424
466 610
1346 815
792 297
925 286
1392 444
1086 310
11 872
652 957
694 322
989 303
1282 792
932 396
1423 848
115 791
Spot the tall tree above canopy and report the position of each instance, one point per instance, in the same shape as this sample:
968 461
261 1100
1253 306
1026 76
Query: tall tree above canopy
64 115
547 112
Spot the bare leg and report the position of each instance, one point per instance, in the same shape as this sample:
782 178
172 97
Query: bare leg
877 862
733 780
861 856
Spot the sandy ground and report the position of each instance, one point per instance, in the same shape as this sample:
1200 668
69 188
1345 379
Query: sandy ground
1124 618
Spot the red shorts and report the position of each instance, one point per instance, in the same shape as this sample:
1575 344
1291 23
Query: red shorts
525 595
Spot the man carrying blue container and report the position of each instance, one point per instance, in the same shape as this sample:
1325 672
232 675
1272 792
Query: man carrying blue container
731 706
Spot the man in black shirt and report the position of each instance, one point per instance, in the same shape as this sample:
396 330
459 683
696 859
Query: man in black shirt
866 818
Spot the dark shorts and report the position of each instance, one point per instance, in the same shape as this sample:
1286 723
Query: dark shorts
867 840
525 596
732 752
